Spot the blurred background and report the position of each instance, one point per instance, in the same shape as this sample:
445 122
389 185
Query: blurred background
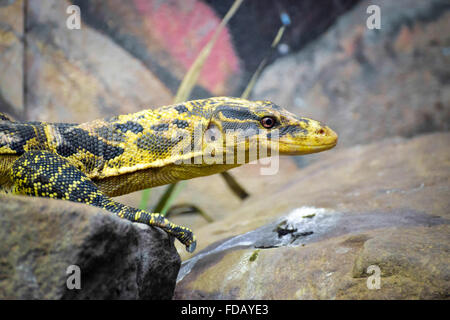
368 85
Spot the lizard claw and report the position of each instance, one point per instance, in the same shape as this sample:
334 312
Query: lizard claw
191 247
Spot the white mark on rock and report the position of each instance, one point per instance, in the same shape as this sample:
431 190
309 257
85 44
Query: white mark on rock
342 250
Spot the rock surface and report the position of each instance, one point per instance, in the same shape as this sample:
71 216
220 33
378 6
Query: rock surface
80 75
11 57
371 84
167 37
384 204
41 238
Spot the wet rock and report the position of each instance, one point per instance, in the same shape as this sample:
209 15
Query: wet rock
384 204
117 259
413 267
371 84
79 75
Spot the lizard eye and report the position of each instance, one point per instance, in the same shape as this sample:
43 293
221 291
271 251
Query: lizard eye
268 122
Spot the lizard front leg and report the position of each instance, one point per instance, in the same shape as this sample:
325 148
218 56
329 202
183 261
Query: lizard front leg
46 174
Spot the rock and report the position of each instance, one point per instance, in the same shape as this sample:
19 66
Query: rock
167 37
40 238
11 57
418 257
79 75
371 84
383 204
414 266
255 25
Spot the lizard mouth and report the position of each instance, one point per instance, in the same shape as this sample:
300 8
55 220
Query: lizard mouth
297 149
326 140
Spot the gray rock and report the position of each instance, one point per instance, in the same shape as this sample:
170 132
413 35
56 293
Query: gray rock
371 84
40 238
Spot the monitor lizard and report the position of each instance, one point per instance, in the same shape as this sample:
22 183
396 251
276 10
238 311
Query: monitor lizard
94 161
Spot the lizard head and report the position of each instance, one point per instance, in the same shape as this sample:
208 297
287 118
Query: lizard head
265 126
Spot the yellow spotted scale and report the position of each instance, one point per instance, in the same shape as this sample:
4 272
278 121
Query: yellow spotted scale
94 161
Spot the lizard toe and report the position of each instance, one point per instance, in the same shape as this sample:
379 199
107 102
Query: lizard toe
191 247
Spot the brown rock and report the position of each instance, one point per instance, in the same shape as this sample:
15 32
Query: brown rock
167 37
418 257
413 265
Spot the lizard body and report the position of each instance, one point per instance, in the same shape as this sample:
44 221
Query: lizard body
96 160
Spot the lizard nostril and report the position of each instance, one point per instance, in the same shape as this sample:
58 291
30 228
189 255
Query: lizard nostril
321 131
